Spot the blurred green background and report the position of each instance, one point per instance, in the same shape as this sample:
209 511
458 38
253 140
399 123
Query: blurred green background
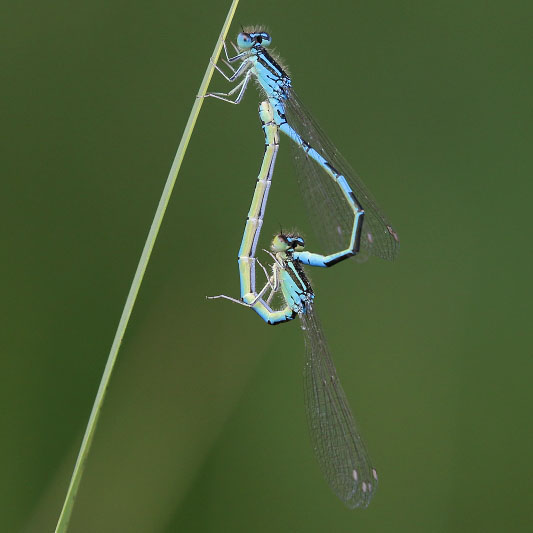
204 429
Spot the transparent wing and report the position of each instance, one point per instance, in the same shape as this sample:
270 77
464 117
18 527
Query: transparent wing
337 444
329 211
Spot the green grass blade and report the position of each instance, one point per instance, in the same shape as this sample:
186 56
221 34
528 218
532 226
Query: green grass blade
66 512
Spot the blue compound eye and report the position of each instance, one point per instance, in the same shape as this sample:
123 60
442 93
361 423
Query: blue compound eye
295 242
244 40
264 39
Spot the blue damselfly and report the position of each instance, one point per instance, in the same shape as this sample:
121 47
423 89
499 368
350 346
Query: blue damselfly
326 178
337 444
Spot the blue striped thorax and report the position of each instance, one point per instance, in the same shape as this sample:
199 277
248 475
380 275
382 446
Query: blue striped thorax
295 285
270 75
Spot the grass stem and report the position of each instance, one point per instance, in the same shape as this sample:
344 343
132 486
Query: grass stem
66 512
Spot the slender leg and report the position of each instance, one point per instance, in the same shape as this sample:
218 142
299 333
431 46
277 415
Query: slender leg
273 257
243 67
237 100
234 300
269 284
265 271
275 285
261 307
270 296
227 60
229 65
233 91
240 55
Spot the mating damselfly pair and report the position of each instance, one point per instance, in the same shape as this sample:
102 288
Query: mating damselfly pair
348 221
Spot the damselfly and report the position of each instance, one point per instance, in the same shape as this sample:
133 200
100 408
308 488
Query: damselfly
326 178
336 441
337 444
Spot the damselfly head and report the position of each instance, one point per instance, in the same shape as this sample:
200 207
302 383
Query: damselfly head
246 40
285 242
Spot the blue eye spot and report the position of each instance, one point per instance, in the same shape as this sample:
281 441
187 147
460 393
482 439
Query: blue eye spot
265 39
244 40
